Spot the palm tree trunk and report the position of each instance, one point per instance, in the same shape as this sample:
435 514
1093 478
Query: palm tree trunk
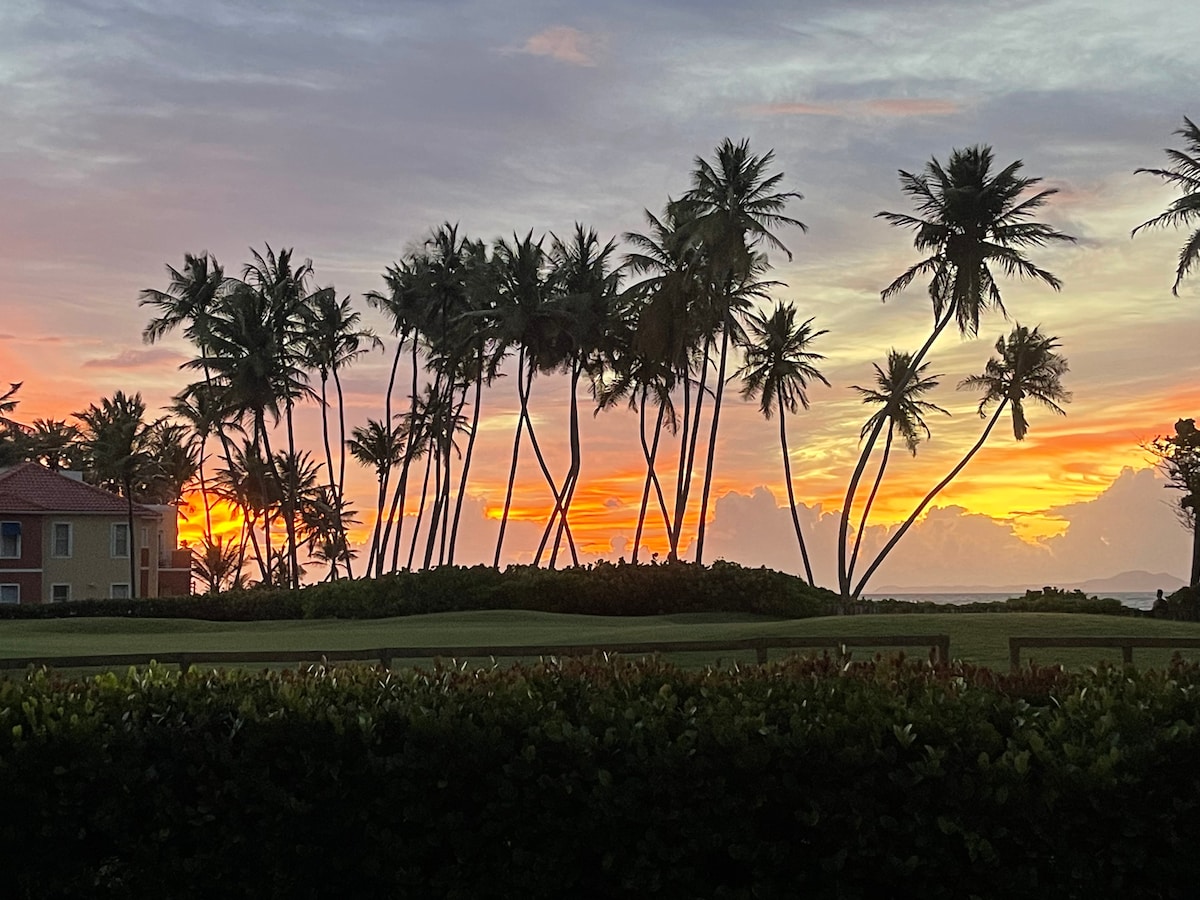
712 444
862 524
868 446
462 482
937 489
787 477
204 491
672 531
412 549
648 451
563 493
380 536
402 485
290 505
512 470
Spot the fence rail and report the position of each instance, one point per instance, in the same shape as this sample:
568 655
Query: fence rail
939 644
1124 644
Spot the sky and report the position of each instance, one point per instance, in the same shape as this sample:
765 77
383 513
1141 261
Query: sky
137 131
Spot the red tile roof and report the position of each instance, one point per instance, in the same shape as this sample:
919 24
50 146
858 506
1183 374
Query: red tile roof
30 488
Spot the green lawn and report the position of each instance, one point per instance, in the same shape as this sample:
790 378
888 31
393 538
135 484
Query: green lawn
980 638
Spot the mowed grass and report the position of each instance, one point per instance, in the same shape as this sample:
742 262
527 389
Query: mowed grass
980 638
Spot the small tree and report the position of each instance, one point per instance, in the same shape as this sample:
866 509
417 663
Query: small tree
1179 459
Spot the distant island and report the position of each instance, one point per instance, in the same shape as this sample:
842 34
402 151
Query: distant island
1133 581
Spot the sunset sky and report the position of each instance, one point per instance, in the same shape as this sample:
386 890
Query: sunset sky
135 132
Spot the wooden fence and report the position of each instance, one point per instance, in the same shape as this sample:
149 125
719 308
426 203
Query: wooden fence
939 644
1124 644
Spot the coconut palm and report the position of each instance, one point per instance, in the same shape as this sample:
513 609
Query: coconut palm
377 446
1026 367
1185 175
897 391
735 207
333 341
117 439
54 443
971 221
666 339
779 366
215 564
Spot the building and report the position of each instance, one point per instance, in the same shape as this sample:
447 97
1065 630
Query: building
62 539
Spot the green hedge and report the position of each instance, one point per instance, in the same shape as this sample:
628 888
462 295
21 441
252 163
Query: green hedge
602 589
603 778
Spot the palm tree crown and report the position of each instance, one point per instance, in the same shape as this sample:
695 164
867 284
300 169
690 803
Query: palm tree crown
779 365
1026 367
897 390
969 218
1185 175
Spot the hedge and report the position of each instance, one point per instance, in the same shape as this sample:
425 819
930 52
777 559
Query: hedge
603 778
601 589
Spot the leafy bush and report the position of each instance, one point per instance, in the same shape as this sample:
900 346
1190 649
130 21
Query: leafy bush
603 778
1184 604
602 589
1048 600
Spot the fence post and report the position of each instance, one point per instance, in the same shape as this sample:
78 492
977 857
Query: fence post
1127 654
1014 653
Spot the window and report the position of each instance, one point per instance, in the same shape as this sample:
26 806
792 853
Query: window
10 540
60 536
10 593
60 593
118 591
120 540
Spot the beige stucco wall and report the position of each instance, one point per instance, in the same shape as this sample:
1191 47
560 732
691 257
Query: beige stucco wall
91 569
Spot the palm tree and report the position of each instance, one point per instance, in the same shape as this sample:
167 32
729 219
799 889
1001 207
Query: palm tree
968 219
333 341
897 391
53 443
666 338
1179 460
12 433
526 317
778 368
735 206
117 438
588 287
1027 367
215 564
1185 175
378 446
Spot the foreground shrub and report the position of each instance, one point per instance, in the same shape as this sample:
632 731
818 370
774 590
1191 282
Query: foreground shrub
603 778
602 589
1184 605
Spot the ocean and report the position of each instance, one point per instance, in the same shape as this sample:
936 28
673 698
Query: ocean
1136 599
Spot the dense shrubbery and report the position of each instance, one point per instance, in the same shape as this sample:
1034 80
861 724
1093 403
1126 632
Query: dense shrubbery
602 589
1048 600
599 778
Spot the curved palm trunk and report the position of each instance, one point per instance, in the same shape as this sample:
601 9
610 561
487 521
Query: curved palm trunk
564 493
412 548
522 397
204 492
379 503
937 489
396 495
290 504
341 482
554 491
462 481
787 476
649 451
712 445
437 453
398 504
684 484
672 530
868 446
862 524
380 536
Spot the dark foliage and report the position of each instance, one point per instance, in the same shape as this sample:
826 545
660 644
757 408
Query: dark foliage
603 778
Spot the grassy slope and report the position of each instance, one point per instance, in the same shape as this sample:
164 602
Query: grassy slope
978 638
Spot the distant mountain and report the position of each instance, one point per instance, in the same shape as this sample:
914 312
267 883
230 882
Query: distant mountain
1136 581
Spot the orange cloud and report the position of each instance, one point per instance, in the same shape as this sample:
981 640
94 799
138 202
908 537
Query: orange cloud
136 359
564 44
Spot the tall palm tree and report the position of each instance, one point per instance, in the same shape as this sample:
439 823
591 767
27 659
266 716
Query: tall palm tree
12 433
332 341
736 206
117 438
969 219
897 391
667 337
525 317
587 295
1026 367
379 446
1185 175
779 366
285 288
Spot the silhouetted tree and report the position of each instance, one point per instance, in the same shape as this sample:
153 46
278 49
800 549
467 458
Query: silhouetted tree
1185 175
